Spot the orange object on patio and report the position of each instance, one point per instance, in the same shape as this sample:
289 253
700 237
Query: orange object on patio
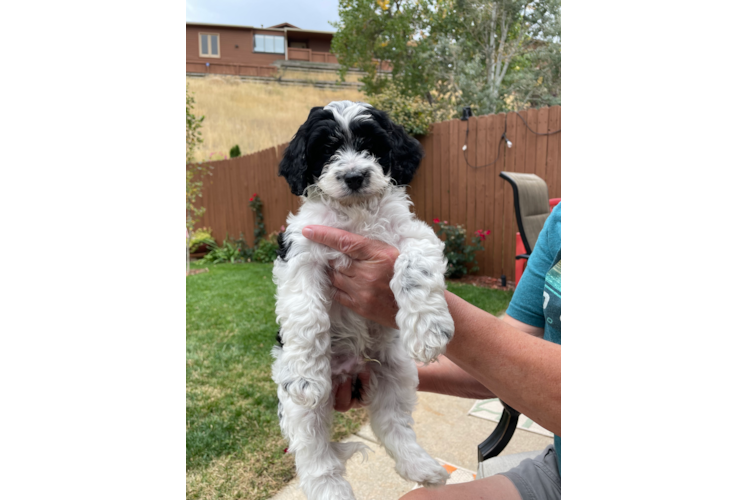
520 264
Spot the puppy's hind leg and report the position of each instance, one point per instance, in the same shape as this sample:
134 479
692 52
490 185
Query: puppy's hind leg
320 464
392 398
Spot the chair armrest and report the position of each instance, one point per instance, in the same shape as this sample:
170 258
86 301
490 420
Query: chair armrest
501 435
523 256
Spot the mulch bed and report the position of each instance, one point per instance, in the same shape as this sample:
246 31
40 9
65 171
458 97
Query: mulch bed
484 282
198 271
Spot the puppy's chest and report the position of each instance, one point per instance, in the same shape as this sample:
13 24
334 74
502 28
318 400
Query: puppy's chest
369 226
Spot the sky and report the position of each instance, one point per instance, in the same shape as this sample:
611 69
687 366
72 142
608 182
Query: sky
312 15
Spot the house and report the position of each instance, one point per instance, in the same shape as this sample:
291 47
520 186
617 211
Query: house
251 51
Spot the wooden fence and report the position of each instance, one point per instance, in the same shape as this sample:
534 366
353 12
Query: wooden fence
296 54
219 68
445 186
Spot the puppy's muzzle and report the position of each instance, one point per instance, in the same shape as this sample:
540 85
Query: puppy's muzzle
354 180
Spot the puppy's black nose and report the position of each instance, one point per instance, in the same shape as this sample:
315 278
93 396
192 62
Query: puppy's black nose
354 180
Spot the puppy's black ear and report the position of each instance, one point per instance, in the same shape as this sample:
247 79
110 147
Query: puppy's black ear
405 152
294 166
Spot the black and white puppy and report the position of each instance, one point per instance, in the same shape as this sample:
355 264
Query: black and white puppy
350 163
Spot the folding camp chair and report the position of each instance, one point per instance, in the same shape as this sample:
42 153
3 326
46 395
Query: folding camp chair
532 208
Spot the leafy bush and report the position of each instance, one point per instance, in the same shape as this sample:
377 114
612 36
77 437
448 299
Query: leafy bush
255 203
414 114
229 252
235 151
199 238
265 252
458 252
245 251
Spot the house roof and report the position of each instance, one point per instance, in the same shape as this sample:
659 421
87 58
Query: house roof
277 27
285 25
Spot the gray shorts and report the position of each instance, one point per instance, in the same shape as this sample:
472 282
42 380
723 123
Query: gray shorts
537 478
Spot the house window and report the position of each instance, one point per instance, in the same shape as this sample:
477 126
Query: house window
209 45
270 44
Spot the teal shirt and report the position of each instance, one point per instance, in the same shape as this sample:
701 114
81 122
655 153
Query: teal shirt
537 300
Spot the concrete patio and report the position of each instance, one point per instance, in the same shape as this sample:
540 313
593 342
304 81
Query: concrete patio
444 429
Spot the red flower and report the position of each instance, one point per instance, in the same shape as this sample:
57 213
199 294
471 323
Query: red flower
285 450
436 221
488 232
254 195
252 199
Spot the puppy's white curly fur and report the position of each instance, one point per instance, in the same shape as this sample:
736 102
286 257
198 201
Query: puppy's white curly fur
325 343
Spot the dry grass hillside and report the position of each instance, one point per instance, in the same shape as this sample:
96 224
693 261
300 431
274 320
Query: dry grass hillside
254 115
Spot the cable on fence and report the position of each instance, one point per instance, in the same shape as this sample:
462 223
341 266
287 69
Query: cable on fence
467 112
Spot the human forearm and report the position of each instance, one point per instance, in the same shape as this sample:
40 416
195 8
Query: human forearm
445 377
524 371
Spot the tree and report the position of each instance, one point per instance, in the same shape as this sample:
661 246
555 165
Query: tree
195 171
508 50
370 32
493 55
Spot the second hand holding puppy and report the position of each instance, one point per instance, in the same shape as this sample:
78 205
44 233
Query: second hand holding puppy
371 265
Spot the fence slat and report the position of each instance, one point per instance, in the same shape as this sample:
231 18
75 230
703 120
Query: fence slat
454 185
472 173
531 115
429 171
520 144
462 171
480 188
491 147
553 166
503 242
436 169
510 224
541 149
445 186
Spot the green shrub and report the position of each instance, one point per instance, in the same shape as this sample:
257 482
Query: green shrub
229 252
255 203
460 255
201 237
234 152
414 114
245 251
265 252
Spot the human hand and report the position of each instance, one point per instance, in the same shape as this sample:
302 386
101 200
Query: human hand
344 399
364 287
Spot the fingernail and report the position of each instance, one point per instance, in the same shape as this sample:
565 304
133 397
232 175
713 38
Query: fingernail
307 232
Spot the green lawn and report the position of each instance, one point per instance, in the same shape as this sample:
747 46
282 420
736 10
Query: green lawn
493 301
234 445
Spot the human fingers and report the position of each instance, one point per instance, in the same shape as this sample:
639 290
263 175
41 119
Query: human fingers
340 280
353 245
343 397
343 298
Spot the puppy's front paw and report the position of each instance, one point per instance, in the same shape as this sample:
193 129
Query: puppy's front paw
307 393
426 336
